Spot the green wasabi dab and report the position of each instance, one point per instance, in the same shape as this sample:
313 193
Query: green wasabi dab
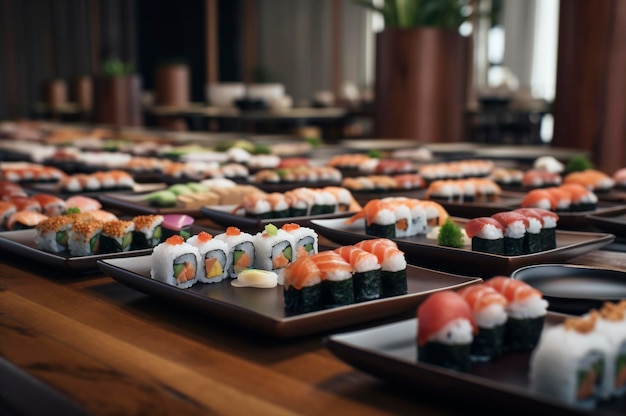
450 235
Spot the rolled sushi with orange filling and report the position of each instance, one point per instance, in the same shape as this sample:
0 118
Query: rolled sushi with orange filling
302 286
241 250
214 254
274 248
445 331
175 262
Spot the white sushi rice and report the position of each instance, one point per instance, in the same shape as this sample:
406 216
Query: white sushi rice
368 263
516 229
531 307
534 226
385 216
212 248
268 247
395 262
338 275
491 316
162 263
456 332
236 242
302 236
490 232
615 332
47 242
549 221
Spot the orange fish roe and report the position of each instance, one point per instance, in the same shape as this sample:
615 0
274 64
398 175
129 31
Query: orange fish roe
175 240
146 221
582 325
116 227
290 227
233 231
203 237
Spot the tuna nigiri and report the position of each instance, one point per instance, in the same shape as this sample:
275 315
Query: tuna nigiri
515 225
487 235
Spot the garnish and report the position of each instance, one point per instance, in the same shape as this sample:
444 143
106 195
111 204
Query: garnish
271 229
450 235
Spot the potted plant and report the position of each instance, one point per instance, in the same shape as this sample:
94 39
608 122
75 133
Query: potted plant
117 94
421 67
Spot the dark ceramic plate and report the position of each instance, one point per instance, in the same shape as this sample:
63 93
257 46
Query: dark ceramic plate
263 309
53 188
390 352
426 253
136 204
223 216
574 289
22 242
609 222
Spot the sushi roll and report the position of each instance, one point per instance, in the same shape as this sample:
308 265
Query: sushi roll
526 310
241 250
51 205
561 198
175 262
489 312
52 233
410 217
336 274
274 248
302 289
445 331
213 266
24 220
116 236
573 374
148 231
515 225
548 231
582 198
163 198
6 210
532 238
366 278
487 235
612 324
177 224
344 199
380 218
84 238
305 239
392 265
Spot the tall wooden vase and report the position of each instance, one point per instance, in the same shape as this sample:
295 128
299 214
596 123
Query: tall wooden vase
117 100
420 84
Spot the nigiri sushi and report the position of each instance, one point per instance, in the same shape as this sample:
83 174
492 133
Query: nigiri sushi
515 225
487 235
25 219
302 286
83 203
526 310
392 262
445 331
336 274
489 312
51 205
366 278
532 238
548 230
539 198
6 210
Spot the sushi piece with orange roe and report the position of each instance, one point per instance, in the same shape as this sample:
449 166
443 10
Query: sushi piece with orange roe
175 262
241 250
213 267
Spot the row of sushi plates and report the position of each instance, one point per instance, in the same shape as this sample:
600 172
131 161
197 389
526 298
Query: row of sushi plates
580 362
288 256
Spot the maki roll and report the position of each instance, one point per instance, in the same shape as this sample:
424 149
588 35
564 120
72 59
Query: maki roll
148 231
336 274
573 374
24 220
274 248
532 238
392 265
445 331
366 278
487 235
117 236
515 225
6 210
51 205
302 286
52 233
612 324
380 218
526 310
214 265
305 239
489 312
84 238
163 198
582 198
548 231
177 224
241 250
175 262
419 220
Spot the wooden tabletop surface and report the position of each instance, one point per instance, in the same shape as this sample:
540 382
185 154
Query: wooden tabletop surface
113 350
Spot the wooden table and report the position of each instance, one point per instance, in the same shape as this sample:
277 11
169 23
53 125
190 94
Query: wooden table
113 350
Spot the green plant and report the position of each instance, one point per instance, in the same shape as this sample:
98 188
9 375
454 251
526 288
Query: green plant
115 67
418 13
450 235
578 164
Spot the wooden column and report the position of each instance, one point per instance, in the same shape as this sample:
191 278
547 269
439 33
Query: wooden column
590 101
250 40
212 42
336 46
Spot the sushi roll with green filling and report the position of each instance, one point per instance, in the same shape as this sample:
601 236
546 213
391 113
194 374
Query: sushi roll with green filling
52 234
366 278
612 324
336 274
489 312
302 286
515 225
175 262
305 239
163 198
445 331
532 238
117 236
213 267
241 250
148 231
526 310
83 238
487 235
392 265
274 248
570 362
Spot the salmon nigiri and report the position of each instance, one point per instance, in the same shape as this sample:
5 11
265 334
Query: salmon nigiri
392 262
302 286
337 283
24 219
366 278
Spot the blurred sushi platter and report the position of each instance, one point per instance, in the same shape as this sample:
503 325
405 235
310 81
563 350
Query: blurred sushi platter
292 239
